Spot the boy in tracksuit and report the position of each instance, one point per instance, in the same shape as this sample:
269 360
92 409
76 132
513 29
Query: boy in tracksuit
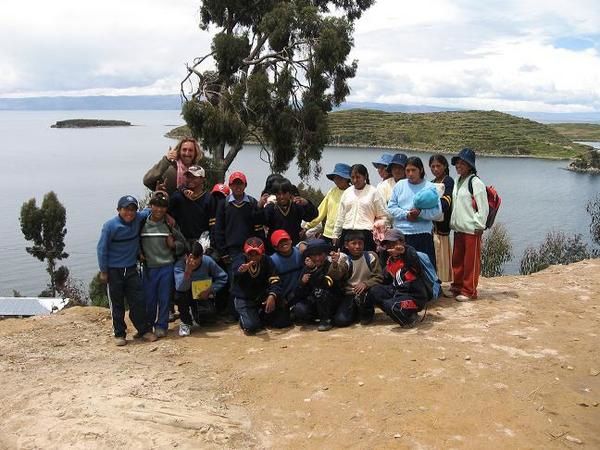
118 250
316 295
160 244
360 271
288 211
257 292
288 262
197 279
405 289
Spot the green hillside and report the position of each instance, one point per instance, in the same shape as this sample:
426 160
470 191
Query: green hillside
578 131
487 132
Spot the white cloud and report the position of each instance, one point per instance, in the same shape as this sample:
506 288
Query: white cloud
498 54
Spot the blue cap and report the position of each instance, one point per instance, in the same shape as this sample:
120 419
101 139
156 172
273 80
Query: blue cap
399 159
384 160
341 170
126 201
467 155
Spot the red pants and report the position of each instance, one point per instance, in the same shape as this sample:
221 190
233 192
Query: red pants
466 264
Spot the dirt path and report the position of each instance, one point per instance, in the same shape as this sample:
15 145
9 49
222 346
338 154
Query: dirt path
516 369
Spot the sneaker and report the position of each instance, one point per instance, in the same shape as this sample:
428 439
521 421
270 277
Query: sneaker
463 298
160 332
325 325
120 341
184 329
149 336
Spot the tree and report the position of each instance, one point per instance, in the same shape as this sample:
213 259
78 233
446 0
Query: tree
45 227
280 68
593 209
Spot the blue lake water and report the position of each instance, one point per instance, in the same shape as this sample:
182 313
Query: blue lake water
89 169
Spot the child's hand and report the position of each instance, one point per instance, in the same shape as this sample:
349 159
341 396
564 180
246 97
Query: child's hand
189 194
335 256
300 201
170 241
269 304
360 288
305 278
263 200
205 294
161 185
247 266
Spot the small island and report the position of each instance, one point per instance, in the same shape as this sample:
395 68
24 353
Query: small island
90 123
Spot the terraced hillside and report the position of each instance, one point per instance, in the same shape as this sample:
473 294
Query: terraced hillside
578 131
488 132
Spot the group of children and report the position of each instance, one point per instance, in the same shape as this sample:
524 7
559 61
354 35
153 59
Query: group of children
223 251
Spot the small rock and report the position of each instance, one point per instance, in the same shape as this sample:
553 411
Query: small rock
569 367
284 346
397 436
85 340
541 408
325 388
595 404
442 358
573 439
153 349
594 372
576 339
583 404
307 400
360 383
467 358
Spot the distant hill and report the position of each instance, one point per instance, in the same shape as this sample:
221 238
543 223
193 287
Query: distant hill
488 132
90 123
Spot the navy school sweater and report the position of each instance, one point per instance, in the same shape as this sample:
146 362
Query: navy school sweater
288 219
192 216
235 222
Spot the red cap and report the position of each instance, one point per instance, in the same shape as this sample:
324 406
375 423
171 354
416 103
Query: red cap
278 236
237 176
222 188
254 244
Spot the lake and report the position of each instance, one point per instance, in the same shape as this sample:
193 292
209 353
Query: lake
89 169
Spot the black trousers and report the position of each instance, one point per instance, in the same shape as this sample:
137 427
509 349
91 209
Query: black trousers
126 284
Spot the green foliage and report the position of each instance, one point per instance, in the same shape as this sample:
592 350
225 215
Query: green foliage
496 250
281 68
557 248
315 196
593 209
578 131
98 293
45 227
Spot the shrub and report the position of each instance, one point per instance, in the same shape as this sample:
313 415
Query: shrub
98 295
557 248
593 209
496 250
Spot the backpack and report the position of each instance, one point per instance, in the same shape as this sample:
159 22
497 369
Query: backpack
431 274
494 202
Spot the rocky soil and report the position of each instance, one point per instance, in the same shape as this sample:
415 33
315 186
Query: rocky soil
518 368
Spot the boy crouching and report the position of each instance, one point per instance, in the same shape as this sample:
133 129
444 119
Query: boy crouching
405 289
361 271
315 295
257 291
197 279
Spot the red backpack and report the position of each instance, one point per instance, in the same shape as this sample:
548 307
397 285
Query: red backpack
494 202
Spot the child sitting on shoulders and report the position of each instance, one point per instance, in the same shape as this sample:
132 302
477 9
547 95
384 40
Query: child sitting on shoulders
406 288
361 271
315 296
197 279
257 291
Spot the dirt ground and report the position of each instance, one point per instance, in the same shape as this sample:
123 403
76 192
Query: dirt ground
518 368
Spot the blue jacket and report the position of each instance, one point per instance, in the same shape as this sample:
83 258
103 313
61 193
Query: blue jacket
402 201
119 243
208 270
289 269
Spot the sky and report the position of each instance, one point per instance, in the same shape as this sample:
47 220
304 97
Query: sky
509 55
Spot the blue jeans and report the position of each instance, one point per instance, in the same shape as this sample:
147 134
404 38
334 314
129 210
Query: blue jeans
125 283
158 284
